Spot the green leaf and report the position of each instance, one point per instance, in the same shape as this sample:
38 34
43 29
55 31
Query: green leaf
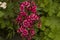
1 14
58 14
51 35
3 25
1 38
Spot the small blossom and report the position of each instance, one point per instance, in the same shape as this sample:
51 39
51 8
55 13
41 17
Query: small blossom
3 5
29 20
22 7
19 19
21 29
25 32
32 32
26 3
33 9
23 14
26 24
34 17
0 3
29 38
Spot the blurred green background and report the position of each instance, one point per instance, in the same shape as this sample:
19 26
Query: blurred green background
49 10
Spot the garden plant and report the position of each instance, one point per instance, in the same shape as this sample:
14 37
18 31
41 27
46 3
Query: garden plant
29 19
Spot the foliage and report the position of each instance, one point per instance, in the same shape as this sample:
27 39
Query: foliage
8 24
50 18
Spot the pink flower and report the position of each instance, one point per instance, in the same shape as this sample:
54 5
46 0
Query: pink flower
24 33
32 32
26 24
33 9
29 20
21 29
22 7
27 4
29 38
34 17
19 19
23 14
29 8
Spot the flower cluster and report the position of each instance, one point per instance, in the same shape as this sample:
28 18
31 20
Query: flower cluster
3 5
26 21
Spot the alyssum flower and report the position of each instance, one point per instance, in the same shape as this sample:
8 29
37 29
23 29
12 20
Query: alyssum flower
3 5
